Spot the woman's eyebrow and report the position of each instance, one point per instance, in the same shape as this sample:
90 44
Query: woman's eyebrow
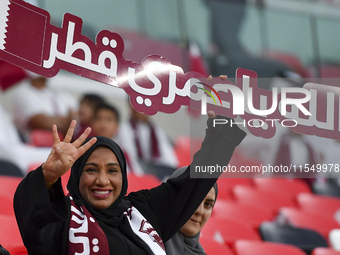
113 164
211 200
95 164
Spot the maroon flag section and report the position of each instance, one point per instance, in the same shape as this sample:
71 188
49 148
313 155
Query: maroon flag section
28 40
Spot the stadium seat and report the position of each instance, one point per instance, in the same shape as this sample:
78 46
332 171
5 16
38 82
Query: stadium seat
8 185
43 138
269 201
252 215
325 251
141 182
9 232
185 147
228 231
284 186
318 203
311 220
6 207
17 249
245 247
212 247
305 239
226 185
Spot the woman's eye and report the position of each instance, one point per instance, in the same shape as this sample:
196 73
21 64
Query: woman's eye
91 170
208 205
112 170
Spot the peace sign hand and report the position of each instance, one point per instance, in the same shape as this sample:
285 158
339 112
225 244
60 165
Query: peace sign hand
64 154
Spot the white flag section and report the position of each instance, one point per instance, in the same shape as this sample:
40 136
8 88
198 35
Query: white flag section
4 8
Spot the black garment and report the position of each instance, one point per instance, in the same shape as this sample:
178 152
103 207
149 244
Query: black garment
43 216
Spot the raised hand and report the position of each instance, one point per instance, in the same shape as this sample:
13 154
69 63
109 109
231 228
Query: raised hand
64 153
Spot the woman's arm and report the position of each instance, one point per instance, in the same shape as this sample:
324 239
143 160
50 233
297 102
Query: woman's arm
174 202
39 203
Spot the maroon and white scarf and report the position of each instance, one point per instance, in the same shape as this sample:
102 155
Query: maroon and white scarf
86 237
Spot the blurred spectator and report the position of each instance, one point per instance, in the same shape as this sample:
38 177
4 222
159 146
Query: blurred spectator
228 53
147 144
106 121
87 106
12 149
35 105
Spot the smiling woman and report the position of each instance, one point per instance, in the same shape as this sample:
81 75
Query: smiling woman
186 240
97 217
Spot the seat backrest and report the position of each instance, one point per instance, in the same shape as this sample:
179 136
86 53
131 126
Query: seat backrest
9 232
318 203
245 247
228 230
252 215
289 187
8 185
267 200
146 181
310 220
212 247
43 138
302 238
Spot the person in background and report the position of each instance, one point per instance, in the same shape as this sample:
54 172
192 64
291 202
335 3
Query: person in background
106 123
147 144
14 150
186 240
87 106
35 105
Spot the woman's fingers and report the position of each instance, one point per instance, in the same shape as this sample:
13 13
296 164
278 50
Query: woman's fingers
56 139
70 131
82 149
82 138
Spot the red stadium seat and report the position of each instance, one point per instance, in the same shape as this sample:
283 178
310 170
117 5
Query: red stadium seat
310 220
185 147
17 249
6 207
228 231
267 200
226 185
9 232
212 247
318 203
289 187
141 182
252 215
8 185
244 247
43 138
325 251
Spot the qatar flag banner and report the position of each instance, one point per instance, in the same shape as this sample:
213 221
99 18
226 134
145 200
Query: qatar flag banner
28 40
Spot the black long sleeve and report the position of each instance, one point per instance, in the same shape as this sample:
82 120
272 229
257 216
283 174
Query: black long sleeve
173 203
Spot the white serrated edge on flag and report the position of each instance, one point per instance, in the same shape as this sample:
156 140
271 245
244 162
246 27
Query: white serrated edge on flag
4 8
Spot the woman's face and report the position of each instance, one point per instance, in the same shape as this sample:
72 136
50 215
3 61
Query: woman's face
201 215
101 179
